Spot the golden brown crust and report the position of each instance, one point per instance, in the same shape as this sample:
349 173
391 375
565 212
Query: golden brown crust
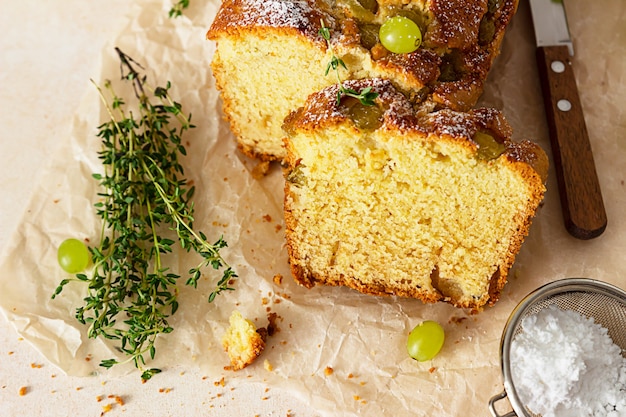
292 17
455 23
322 110
419 68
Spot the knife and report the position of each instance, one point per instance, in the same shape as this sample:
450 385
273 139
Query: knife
579 189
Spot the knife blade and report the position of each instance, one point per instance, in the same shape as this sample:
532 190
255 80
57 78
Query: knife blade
582 205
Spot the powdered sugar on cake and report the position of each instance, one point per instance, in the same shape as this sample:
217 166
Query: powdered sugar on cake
270 13
565 364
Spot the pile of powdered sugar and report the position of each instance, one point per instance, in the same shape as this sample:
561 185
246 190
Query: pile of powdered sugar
565 364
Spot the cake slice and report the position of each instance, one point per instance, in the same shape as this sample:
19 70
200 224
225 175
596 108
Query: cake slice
270 56
387 200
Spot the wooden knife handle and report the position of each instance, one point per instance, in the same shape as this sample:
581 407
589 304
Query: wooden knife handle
581 198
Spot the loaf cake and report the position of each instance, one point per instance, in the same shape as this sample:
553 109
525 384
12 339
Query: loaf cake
392 201
270 56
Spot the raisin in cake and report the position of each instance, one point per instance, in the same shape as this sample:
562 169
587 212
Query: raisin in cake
387 200
270 56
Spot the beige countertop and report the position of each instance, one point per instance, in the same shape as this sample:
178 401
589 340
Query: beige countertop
48 53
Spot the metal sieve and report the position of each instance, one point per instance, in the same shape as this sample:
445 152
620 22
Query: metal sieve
605 303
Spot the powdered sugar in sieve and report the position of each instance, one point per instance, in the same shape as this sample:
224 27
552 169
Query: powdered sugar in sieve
542 349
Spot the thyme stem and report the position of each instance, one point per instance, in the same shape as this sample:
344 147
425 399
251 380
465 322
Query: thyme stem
145 199
366 96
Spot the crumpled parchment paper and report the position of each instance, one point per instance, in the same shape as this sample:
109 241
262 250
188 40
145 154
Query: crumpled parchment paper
362 338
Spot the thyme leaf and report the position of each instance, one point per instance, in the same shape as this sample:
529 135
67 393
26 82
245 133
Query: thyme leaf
177 8
145 204
366 96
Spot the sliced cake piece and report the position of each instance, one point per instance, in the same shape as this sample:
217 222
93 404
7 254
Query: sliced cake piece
386 200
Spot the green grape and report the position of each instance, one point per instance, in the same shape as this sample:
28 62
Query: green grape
425 340
488 147
366 118
73 256
400 35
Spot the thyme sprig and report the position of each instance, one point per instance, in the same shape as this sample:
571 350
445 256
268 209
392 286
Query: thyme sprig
177 8
366 96
144 203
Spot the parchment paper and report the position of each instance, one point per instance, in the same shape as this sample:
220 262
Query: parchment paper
362 338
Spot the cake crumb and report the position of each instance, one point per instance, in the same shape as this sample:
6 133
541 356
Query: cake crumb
35 365
119 400
278 279
23 391
268 366
432 369
221 382
328 371
242 342
272 327
260 170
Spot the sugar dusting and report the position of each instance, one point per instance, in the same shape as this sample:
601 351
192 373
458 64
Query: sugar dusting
565 364
296 14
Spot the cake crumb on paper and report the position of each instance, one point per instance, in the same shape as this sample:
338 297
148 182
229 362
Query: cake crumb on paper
242 341
278 279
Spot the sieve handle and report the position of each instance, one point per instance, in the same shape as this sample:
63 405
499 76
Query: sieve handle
492 405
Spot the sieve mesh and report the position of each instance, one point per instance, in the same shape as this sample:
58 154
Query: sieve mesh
607 311
605 303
